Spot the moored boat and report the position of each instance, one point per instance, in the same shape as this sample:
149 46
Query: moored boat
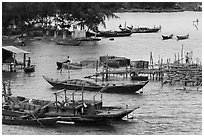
68 110
167 36
10 120
181 37
115 33
144 29
29 68
88 39
68 43
137 77
74 66
73 84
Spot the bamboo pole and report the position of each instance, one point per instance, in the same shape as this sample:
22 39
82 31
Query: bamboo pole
182 54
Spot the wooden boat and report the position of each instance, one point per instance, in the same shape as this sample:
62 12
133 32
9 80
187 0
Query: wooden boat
73 84
88 39
167 36
115 34
10 120
144 29
69 43
73 66
29 69
77 111
137 77
182 37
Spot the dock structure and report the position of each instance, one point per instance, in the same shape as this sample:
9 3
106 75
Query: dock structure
9 57
167 72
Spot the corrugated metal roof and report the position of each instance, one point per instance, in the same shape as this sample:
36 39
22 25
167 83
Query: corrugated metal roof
15 50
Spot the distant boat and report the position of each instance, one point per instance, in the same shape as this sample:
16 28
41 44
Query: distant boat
167 36
144 29
29 68
182 37
88 39
115 34
68 43
73 66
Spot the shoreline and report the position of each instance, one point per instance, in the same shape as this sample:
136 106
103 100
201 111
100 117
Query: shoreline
154 10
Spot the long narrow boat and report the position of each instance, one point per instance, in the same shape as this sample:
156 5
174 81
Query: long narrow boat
74 84
77 111
68 43
29 69
10 120
182 37
74 66
115 34
144 29
167 36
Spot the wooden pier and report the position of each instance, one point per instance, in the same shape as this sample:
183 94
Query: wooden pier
176 72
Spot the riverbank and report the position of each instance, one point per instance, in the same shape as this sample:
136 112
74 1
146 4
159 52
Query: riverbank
151 10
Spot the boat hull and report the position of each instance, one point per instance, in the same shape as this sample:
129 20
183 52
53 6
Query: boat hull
139 78
164 37
29 69
182 37
145 31
39 121
120 89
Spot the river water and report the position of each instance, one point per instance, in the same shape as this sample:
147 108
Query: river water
163 111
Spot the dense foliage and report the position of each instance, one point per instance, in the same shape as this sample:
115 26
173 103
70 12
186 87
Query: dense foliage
88 14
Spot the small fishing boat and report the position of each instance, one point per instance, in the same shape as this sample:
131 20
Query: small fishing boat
182 37
144 29
115 33
167 36
69 43
11 120
74 84
70 109
88 39
73 66
29 69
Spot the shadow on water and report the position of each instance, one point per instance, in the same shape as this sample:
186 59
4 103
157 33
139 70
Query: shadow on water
85 128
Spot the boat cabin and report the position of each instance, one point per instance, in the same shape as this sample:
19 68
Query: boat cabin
140 64
115 62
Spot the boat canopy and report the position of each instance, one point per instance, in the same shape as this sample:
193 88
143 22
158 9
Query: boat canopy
14 50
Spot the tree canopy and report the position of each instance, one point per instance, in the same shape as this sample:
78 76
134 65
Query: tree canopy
89 14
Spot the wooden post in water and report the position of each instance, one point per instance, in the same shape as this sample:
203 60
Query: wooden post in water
68 71
182 54
151 65
96 70
82 94
14 62
65 95
126 74
151 60
101 97
103 73
56 102
24 60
